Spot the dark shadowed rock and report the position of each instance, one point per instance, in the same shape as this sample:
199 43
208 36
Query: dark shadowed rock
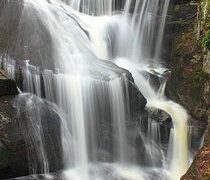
159 115
200 168
165 123
7 85
12 147
19 155
154 126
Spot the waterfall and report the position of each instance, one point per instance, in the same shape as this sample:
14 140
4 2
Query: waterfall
119 111
95 7
133 52
180 155
77 70
35 134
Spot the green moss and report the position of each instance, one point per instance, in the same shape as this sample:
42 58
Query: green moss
199 78
206 40
177 7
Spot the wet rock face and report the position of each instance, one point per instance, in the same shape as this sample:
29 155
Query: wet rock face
200 168
30 37
20 146
30 124
41 131
103 125
164 121
10 12
49 120
3 39
136 99
12 146
197 132
23 36
159 115
155 126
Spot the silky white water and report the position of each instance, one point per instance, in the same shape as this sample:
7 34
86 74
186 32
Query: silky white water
92 95
129 56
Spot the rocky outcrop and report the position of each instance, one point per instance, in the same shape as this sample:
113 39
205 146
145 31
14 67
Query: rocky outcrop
189 83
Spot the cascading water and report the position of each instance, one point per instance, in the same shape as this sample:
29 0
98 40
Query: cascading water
95 7
92 95
146 29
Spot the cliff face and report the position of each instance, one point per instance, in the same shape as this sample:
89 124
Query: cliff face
189 84
189 34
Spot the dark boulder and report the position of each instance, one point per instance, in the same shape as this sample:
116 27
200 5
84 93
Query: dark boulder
12 148
7 85
20 143
164 121
159 115
147 132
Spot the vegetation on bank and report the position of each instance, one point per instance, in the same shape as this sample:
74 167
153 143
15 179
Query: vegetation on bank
205 23
206 40
190 56
199 78
191 73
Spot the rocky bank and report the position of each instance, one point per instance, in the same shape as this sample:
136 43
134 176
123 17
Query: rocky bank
188 32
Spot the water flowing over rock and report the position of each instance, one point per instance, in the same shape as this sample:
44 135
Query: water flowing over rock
25 133
200 166
92 101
